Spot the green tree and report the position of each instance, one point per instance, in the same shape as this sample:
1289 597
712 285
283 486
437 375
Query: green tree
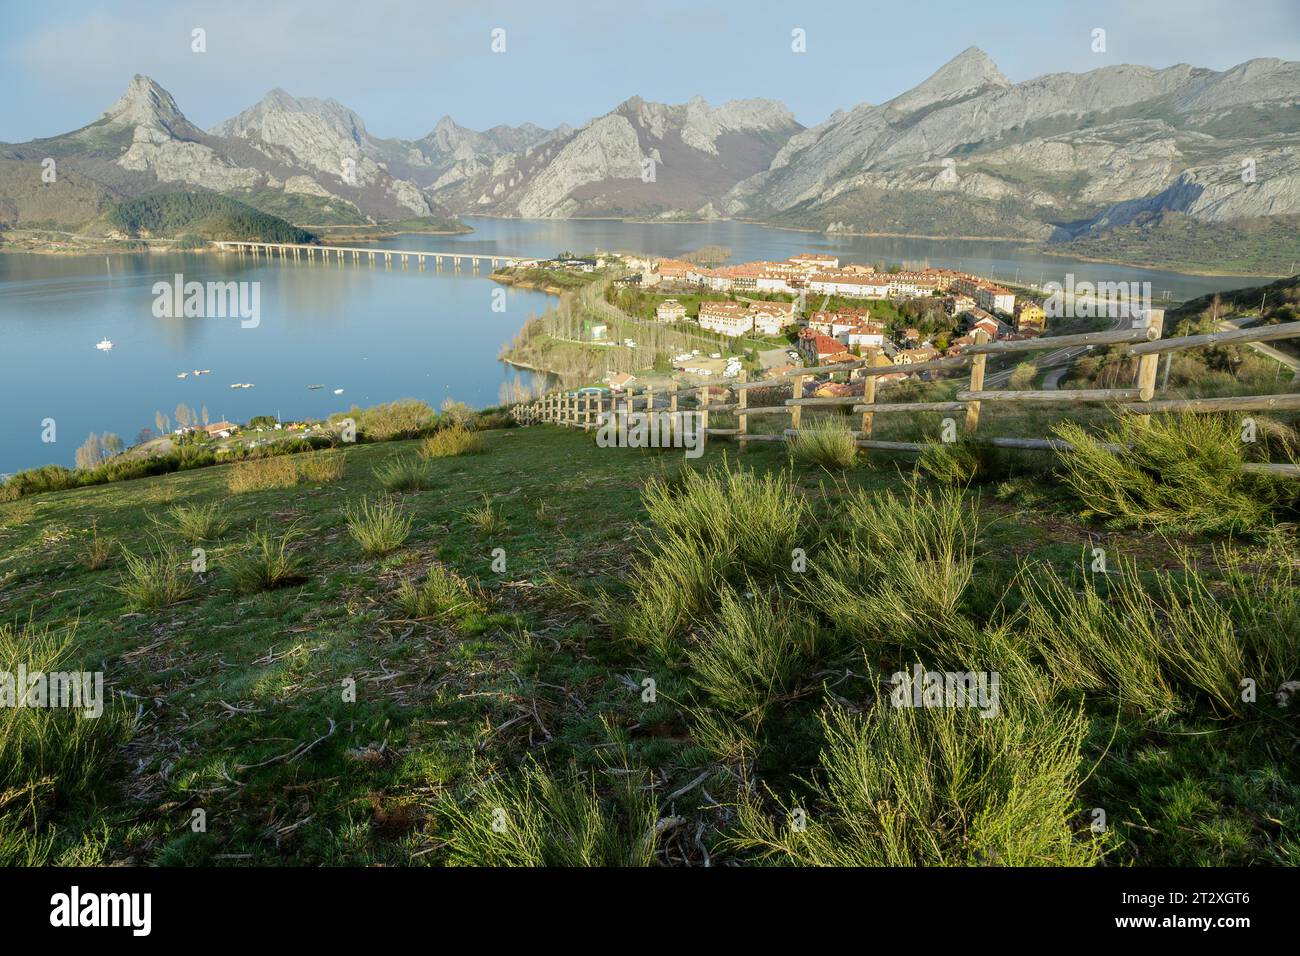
1022 379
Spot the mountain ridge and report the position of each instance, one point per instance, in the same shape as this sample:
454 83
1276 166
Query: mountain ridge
964 152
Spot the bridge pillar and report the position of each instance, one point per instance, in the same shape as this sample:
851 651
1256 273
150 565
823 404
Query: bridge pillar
421 260
475 263
403 260
456 263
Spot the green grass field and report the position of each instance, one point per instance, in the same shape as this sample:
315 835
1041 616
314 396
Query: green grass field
320 722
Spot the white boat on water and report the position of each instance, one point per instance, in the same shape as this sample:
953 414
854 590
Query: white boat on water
338 391
183 375
103 345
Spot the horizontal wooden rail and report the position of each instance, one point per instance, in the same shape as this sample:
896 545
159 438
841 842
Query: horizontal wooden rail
1253 403
1278 470
827 400
1113 337
769 410
1268 333
767 383
1058 395
890 445
912 407
955 361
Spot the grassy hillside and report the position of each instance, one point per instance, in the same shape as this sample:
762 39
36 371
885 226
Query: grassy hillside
209 215
27 200
649 678
1280 301
1265 247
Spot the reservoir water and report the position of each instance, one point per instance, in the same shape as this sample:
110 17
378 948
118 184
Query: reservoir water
379 333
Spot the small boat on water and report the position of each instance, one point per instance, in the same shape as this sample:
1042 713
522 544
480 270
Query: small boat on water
242 385
203 371
338 391
103 345
313 387
183 375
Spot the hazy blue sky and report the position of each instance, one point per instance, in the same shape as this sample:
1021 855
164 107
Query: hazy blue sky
403 65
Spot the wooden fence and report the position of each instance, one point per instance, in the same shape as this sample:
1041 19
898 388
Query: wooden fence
576 410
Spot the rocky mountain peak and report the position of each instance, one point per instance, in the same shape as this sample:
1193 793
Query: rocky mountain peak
145 103
969 72
277 101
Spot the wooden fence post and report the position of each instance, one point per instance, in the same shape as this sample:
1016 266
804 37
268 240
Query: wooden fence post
868 398
1148 365
672 398
976 382
796 411
742 420
702 402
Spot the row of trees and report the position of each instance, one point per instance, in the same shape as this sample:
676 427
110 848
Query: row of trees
186 417
97 449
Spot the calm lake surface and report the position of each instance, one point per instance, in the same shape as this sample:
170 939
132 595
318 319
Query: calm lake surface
378 333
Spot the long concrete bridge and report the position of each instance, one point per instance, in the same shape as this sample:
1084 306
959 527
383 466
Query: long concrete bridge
296 251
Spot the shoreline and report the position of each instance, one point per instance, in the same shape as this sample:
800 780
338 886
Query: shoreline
1146 265
97 246
1019 241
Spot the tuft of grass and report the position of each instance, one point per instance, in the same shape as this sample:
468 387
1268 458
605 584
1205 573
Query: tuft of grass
156 578
959 463
485 518
453 440
706 529
443 594
321 468
825 443
543 819
265 562
1177 472
900 569
934 786
378 526
99 550
755 652
261 474
50 757
201 522
1111 635
403 474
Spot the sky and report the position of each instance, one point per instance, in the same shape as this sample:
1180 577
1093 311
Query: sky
403 65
